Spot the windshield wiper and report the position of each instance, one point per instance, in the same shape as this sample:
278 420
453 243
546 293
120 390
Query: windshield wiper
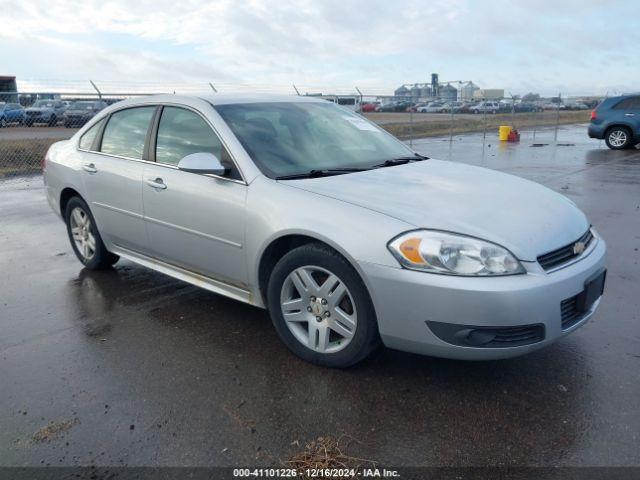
392 162
320 173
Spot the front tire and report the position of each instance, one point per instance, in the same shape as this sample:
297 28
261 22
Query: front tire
85 239
321 308
618 138
53 121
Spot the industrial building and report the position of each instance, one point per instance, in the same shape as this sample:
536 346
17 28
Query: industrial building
488 94
8 84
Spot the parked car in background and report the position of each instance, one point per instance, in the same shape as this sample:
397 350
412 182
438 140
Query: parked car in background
370 106
465 107
11 113
81 112
485 107
617 121
525 107
414 108
45 111
553 106
350 240
386 107
576 106
400 106
433 107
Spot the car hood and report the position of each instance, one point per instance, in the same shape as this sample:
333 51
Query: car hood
38 110
521 215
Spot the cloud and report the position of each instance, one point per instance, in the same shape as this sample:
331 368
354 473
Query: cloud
375 43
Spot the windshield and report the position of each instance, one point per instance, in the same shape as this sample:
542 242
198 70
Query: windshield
43 104
81 106
288 138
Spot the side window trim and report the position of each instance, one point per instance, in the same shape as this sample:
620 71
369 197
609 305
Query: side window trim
97 141
154 141
153 134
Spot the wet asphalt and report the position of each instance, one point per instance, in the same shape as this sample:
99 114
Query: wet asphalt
135 368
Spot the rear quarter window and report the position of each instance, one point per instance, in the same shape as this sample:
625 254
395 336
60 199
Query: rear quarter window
87 139
631 103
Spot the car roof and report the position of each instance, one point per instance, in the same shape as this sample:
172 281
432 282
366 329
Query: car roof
221 98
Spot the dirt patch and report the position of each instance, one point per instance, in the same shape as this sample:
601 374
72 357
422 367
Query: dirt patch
53 430
326 452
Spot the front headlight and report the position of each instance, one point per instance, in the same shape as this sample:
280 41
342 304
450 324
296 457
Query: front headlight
451 254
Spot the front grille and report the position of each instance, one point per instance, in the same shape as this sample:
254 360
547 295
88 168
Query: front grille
570 313
564 254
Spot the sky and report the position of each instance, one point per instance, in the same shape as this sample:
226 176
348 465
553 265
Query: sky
547 46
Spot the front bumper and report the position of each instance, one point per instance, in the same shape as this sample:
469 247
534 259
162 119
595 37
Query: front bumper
406 300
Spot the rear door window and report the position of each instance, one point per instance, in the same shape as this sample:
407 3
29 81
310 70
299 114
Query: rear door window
126 132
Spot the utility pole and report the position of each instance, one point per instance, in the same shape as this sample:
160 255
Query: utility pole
212 87
297 92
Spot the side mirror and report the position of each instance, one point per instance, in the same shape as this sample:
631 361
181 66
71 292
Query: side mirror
202 162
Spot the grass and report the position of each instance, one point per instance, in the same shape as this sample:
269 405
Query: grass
24 156
325 453
467 123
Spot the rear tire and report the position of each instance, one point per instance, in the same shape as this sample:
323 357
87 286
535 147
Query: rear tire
330 319
618 138
53 121
85 239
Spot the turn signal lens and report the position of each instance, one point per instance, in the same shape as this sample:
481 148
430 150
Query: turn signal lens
410 248
448 253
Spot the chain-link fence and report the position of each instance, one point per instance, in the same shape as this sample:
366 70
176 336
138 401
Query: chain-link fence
31 121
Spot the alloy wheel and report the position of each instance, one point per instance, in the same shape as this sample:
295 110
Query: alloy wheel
318 309
618 138
81 233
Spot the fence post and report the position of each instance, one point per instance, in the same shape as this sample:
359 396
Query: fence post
411 127
484 123
451 124
361 97
555 134
297 92
96 88
212 87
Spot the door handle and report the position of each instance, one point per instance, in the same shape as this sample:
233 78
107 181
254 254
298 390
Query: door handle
89 167
629 114
156 183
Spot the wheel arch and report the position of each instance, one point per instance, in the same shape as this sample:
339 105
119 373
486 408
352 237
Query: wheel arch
624 125
67 194
280 245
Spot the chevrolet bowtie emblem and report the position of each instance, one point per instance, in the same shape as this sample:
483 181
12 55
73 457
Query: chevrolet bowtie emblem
578 248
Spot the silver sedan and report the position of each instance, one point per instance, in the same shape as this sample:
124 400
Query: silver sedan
349 238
